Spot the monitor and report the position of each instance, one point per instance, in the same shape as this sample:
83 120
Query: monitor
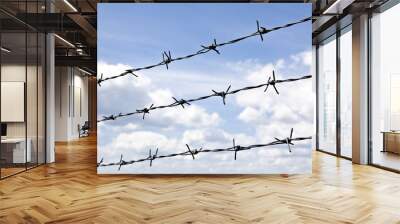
3 129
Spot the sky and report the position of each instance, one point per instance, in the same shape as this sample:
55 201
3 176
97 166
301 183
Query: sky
135 35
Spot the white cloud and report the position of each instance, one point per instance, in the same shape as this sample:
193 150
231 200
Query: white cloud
272 114
295 102
142 92
142 139
108 70
261 116
190 116
261 75
212 137
249 114
304 57
247 65
161 96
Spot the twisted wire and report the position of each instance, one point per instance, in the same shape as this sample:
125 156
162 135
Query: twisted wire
167 57
223 94
193 152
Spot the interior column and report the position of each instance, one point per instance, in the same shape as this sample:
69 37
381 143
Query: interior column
360 90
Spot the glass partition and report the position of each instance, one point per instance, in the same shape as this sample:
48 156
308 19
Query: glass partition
32 103
22 77
31 100
41 97
13 103
327 95
345 58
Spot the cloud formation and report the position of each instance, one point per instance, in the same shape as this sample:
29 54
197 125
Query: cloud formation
250 117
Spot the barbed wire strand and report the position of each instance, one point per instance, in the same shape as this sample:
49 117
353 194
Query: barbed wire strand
223 94
167 57
192 152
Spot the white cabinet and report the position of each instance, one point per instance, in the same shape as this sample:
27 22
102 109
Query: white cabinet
19 155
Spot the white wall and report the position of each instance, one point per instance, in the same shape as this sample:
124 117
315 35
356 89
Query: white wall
33 125
70 84
62 80
16 73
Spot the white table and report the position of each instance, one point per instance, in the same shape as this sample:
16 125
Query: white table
19 153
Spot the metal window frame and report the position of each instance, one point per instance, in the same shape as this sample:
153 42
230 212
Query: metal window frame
337 30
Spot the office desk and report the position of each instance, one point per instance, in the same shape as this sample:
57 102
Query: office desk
391 142
13 150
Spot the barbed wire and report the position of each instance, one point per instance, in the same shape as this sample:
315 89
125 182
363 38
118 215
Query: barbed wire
272 81
167 57
193 151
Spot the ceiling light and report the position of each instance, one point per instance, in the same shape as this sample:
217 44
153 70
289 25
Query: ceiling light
337 7
5 50
65 41
332 7
70 5
84 71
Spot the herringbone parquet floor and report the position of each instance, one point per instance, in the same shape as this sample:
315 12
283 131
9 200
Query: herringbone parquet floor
70 191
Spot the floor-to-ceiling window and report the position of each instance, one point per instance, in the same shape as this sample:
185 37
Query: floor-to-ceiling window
22 88
334 75
385 88
326 56
345 91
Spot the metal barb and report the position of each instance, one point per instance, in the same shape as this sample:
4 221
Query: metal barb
192 152
261 30
167 58
222 94
145 110
130 71
100 80
236 148
180 102
111 117
212 47
121 163
272 83
99 163
152 157
287 140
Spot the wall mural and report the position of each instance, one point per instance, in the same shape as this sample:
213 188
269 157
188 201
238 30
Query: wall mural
204 88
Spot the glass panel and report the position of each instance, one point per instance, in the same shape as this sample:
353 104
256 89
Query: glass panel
13 94
327 95
41 98
346 92
32 90
31 100
385 84
23 89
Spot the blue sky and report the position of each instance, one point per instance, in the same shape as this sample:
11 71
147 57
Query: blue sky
135 35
